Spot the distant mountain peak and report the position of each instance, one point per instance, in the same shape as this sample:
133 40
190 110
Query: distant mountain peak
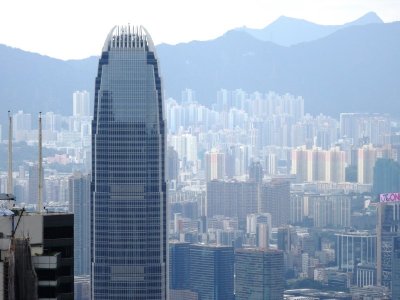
288 31
290 19
369 18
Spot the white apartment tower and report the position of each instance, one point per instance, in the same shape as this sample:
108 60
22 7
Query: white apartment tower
81 104
366 161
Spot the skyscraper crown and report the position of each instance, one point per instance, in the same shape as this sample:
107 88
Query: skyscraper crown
123 36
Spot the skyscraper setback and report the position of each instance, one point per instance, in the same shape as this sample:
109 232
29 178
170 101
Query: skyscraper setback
128 190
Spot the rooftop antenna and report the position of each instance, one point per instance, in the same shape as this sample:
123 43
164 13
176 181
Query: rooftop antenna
10 179
40 200
10 168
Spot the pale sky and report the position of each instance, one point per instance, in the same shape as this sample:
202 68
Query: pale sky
76 29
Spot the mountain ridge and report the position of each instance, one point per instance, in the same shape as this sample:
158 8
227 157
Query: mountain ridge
281 30
352 69
301 69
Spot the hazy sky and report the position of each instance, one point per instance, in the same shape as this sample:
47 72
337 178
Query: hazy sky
77 28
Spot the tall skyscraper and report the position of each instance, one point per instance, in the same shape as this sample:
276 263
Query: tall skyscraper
79 202
128 189
211 271
396 268
386 176
179 265
387 230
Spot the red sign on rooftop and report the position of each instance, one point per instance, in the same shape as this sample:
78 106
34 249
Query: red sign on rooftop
389 197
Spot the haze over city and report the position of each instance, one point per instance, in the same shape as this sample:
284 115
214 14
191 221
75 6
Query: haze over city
75 29
252 151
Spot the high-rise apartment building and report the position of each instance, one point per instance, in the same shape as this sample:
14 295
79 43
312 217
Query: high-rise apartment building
361 128
22 121
259 274
336 165
80 104
214 161
188 96
325 210
271 164
186 146
329 210
297 208
233 199
318 165
300 164
275 199
128 189
259 225
236 160
172 164
366 161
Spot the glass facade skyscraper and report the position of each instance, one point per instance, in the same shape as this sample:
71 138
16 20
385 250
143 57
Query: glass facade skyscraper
211 270
259 274
128 190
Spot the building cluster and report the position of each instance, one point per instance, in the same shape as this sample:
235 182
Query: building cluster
305 210
249 198
72 133
255 174
221 141
201 271
36 253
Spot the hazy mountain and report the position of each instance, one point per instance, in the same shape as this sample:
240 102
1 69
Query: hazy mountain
33 83
287 31
353 69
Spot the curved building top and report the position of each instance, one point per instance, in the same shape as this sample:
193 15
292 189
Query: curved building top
128 37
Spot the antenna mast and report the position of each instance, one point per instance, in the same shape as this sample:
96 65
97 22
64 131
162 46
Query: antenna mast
40 191
10 168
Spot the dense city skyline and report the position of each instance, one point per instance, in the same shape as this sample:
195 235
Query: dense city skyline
247 167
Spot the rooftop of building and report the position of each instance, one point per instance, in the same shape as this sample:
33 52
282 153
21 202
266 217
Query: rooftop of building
127 36
211 246
257 250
